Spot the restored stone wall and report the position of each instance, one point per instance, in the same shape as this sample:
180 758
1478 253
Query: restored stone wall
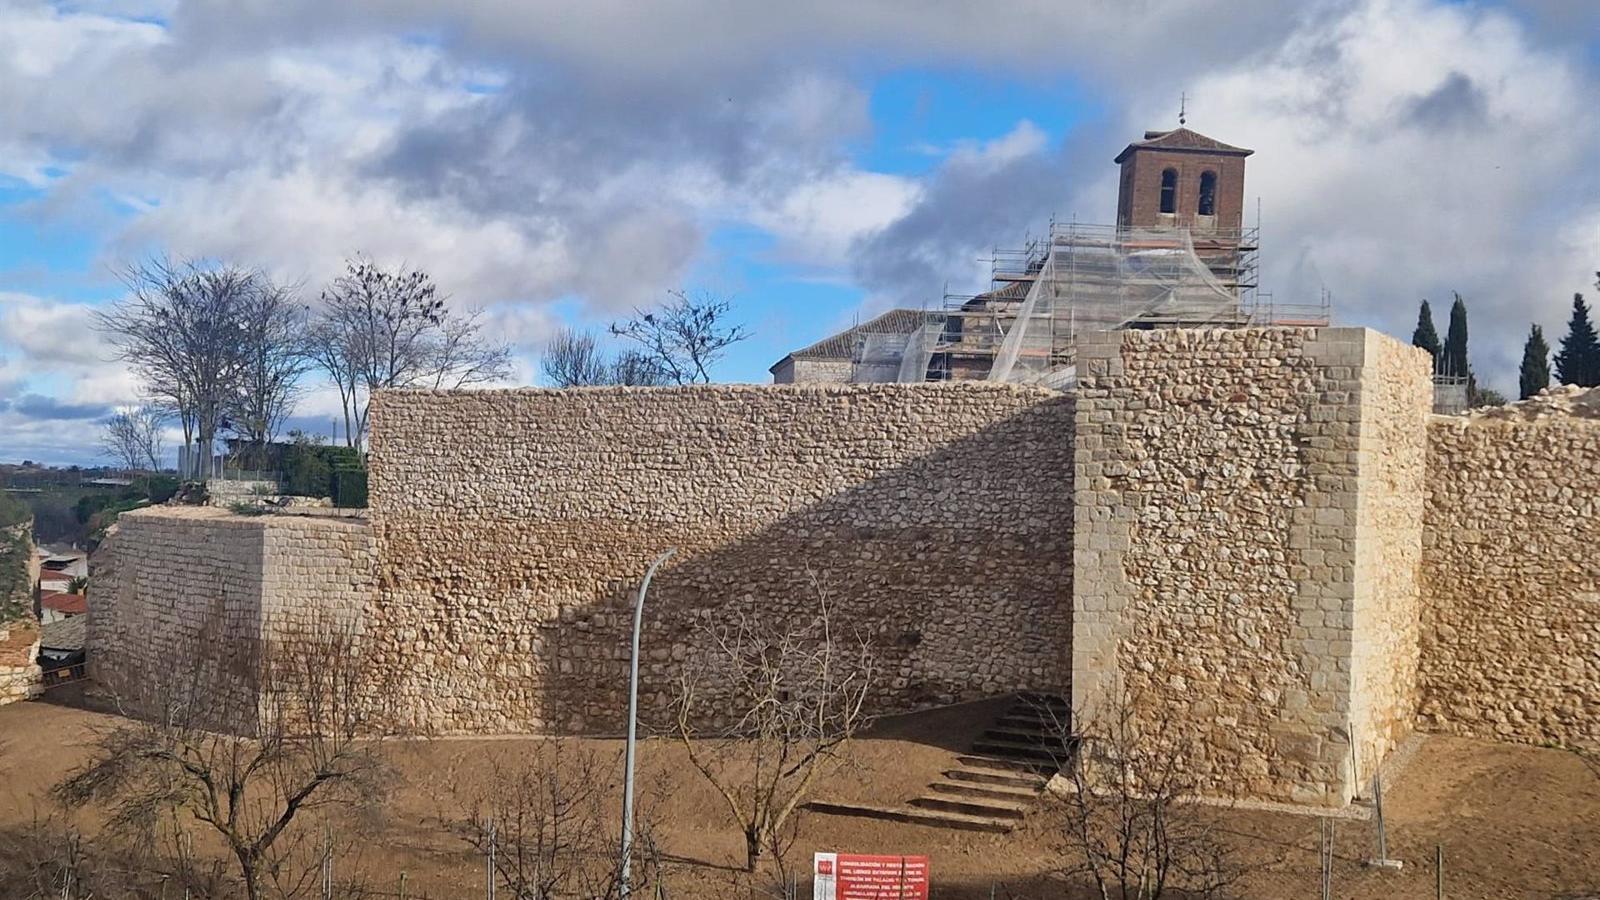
171 577
1511 574
1224 560
1396 398
513 527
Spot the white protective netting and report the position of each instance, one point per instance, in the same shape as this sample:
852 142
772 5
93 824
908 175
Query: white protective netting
1098 278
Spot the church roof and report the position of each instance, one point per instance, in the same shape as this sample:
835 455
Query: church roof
1182 140
842 346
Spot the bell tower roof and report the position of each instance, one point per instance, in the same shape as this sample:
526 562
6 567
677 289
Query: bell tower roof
1181 140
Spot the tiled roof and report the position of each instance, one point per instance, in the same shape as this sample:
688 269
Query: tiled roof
1181 139
843 344
66 634
70 604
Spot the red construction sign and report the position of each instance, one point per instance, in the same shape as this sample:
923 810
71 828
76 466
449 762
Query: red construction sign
852 876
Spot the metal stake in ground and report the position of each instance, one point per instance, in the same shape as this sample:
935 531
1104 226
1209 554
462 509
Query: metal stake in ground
625 879
1382 861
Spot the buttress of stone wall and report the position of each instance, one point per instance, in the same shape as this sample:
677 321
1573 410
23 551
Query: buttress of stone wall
1511 580
513 528
1396 400
1216 562
19 639
182 598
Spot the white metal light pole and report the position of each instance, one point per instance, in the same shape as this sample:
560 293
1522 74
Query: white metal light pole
625 882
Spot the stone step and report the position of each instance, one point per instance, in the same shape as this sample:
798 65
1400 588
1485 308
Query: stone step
1033 781
1007 792
974 761
972 806
913 816
1020 735
1030 723
1016 750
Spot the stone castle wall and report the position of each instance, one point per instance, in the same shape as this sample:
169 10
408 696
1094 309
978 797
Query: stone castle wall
513 528
173 578
1510 637
1224 564
20 678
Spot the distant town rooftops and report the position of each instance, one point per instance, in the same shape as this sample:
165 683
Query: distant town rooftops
64 634
66 604
1181 140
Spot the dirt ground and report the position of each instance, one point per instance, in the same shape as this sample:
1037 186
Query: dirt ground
1513 821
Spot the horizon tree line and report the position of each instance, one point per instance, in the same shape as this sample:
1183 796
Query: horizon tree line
1577 363
220 348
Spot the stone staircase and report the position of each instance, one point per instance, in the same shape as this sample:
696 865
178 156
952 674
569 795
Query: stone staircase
992 787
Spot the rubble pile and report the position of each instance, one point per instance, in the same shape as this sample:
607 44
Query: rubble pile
1561 400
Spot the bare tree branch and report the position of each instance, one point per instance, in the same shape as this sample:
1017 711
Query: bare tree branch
684 337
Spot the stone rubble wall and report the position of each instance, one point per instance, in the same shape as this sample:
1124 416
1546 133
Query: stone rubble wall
1510 639
513 528
1218 565
171 579
20 676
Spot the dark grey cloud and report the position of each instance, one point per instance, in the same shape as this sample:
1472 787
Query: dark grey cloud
39 406
1457 103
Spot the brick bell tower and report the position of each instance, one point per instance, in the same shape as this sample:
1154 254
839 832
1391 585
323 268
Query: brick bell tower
1182 178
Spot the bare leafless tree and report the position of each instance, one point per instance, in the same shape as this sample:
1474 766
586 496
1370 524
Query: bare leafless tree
272 359
132 437
390 328
573 358
544 813
769 711
685 336
1128 818
243 742
630 367
182 329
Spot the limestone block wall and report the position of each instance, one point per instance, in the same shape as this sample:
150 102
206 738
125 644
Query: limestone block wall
513 527
1224 567
20 678
171 576
1510 636
1396 398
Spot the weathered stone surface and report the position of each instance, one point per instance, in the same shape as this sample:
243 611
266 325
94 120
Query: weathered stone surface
20 678
513 527
1511 569
170 576
1239 492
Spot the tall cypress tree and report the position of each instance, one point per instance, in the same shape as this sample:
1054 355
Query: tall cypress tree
1453 357
1425 336
1535 375
1579 360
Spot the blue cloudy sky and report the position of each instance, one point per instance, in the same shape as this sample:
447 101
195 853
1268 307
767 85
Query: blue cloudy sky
563 162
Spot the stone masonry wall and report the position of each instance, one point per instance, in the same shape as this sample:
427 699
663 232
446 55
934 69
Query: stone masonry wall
1396 399
1511 628
1217 568
20 678
513 527
169 577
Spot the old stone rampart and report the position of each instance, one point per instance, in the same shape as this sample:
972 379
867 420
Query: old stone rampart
1238 491
513 528
169 578
20 678
1510 633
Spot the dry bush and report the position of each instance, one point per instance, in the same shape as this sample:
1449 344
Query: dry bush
788 702
547 815
1129 823
314 719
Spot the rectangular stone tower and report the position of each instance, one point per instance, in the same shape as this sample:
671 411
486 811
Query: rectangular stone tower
1249 528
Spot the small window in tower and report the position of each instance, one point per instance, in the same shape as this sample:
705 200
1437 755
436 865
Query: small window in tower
1169 191
1208 194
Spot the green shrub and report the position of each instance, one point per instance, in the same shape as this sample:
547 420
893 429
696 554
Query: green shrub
308 469
13 511
160 488
350 487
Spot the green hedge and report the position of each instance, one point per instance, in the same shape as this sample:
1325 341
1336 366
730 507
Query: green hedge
350 487
308 469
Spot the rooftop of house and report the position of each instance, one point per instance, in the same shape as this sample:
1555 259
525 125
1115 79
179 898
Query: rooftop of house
842 346
64 634
64 603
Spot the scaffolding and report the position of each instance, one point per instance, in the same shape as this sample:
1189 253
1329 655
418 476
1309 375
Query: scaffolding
1076 279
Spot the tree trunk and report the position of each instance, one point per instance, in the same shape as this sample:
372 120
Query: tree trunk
752 850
